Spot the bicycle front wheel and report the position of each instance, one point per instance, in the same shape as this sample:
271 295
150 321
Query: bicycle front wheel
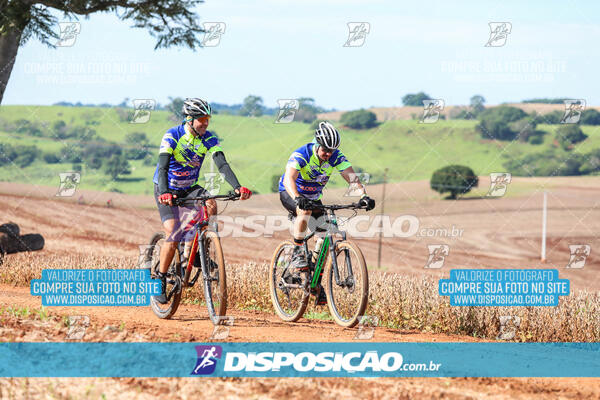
289 293
347 296
215 279
173 291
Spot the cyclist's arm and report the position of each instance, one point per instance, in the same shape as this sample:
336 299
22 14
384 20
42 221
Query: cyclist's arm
352 178
163 172
226 170
289 181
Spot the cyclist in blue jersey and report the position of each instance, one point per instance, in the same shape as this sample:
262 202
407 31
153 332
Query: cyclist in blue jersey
182 151
306 174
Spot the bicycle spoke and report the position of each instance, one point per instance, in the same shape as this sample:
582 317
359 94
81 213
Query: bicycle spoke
347 298
288 299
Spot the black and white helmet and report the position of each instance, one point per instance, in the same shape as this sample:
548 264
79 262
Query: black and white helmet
327 136
195 107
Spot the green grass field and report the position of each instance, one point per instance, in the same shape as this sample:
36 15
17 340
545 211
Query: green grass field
257 148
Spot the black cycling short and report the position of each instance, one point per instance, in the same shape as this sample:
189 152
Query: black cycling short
290 205
171 212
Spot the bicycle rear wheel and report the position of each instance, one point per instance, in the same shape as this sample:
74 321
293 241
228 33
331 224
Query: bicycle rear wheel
215 278
173 291
289 298
347 301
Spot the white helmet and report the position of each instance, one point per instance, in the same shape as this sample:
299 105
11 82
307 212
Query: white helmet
327 136
195 107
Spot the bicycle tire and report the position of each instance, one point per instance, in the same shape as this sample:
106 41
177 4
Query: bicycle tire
165 311
217 309
362 295
273 278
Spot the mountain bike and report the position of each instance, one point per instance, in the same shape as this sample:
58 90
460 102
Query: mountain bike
339 260
205 259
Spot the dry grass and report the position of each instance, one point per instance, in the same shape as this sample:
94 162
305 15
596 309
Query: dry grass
399 301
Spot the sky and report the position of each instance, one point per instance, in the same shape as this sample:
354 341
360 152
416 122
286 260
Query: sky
281 49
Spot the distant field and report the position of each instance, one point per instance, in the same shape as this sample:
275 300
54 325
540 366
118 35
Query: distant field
258 149
407 113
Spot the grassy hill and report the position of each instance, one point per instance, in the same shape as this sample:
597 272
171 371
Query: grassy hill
258 149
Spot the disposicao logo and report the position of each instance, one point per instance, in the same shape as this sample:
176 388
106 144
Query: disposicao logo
321 362
207 359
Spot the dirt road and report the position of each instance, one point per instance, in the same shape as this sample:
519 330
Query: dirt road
496 233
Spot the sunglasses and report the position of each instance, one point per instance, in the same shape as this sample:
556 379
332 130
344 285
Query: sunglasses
201 119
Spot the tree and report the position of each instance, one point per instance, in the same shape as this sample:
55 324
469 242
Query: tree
51 158
252 106
455 179
359 119
524 128
307 110
275 183
494 122
175 106
171 22
136 138
476 103
552 118
415 99
546 163
591 164
590 117
568 135
59 129
117 165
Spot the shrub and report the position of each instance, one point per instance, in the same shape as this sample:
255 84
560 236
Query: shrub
568 135
149 160
552 118
524 128
359 119
547 163
26 155
95 163
275 183
7 154
124 114
59 129
460 113
494 122
591 164
590 117
136 137
536 139
117 165
455 179
415 99
51 158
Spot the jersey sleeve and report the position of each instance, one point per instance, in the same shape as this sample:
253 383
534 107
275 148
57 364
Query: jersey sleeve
212 143
340 161
168 143
297 160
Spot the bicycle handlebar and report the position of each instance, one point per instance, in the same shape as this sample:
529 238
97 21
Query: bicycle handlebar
229 196
314 205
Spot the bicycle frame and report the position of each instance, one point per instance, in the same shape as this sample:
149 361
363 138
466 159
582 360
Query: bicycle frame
199 225
329 244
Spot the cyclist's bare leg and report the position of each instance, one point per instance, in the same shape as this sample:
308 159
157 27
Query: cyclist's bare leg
168 249
211 205
301 223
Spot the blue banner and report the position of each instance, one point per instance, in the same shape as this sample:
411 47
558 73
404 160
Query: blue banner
300 359
504 287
